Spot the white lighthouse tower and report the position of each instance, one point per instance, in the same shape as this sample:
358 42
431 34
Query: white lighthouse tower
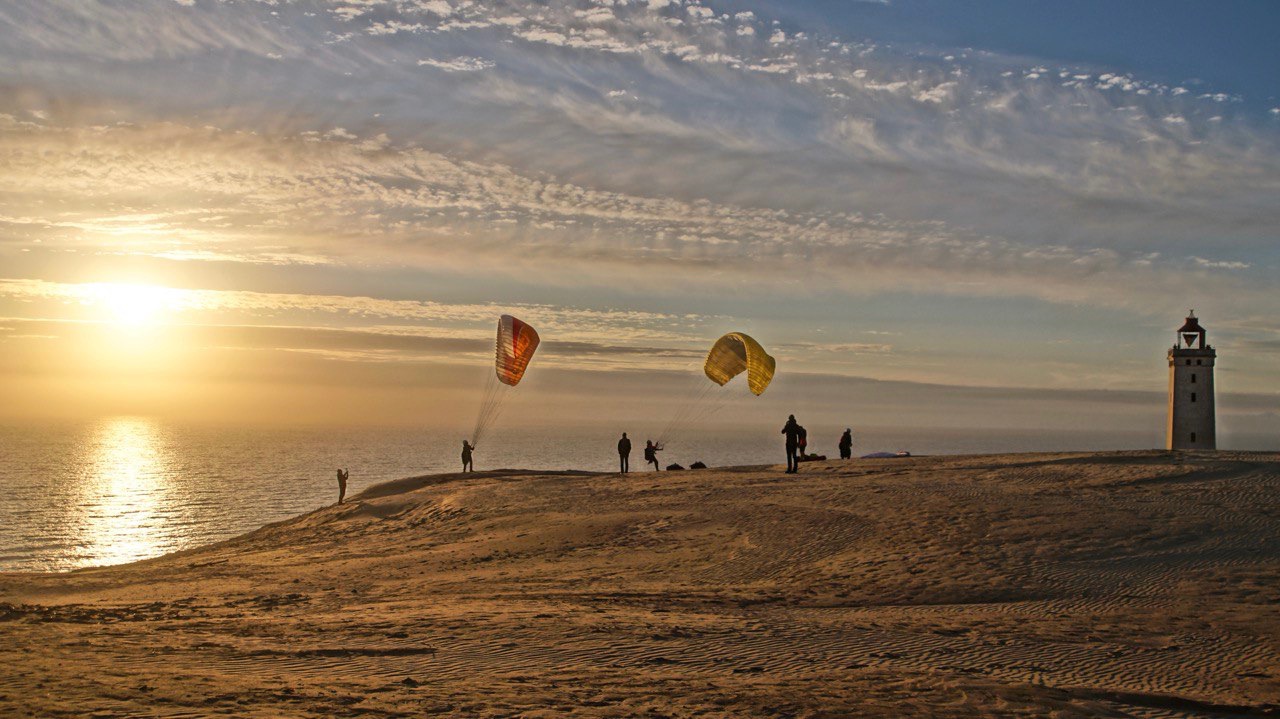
1192 424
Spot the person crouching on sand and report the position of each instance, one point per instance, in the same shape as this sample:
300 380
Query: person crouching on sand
467 466
342 484
651 451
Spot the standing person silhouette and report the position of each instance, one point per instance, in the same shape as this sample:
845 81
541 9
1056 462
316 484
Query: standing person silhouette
342 484
651 451
624 453
467 466
792 432
846 444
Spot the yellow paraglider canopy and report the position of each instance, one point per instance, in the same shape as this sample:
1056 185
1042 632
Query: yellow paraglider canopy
735 352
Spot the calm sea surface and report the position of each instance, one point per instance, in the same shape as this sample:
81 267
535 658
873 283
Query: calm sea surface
121 489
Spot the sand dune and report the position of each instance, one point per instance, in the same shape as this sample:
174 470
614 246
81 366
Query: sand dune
1143 584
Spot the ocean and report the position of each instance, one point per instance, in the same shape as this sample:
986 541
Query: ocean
120 489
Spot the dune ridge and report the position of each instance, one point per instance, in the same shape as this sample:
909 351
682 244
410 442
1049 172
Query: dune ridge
1141 584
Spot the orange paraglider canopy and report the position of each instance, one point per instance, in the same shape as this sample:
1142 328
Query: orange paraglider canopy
517 342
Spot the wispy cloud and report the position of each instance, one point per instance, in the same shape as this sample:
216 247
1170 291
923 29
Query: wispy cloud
458 64
466 321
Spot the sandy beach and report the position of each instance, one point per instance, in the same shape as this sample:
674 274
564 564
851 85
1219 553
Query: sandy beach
1139 584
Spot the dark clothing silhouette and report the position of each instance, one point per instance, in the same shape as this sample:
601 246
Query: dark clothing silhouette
342 484
792 431
624 453
651 454
467 466
846 444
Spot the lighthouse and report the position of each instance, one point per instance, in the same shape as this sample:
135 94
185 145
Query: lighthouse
1192 424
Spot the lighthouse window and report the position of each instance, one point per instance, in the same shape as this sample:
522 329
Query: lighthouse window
1188 363
1193 396
1193 436
1193 378
1197 361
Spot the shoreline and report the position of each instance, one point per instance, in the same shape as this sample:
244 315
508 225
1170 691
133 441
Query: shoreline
412 483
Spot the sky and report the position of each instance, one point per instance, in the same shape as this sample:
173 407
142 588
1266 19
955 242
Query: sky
975 214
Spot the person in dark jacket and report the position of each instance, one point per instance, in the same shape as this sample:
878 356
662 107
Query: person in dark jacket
624 453
467 447
651 451
342 484
792 432
846 444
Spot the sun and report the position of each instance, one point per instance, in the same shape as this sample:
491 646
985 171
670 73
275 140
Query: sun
132 305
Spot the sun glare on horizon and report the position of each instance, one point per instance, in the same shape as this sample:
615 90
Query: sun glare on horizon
132 305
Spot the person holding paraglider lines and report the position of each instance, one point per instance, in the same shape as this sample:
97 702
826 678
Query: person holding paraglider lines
467 465
651 450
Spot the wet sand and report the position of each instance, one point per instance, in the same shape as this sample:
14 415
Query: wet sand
1140 584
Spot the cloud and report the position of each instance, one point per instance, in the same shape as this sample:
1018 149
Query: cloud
473 321
438 7
1221 264
458 64
842 348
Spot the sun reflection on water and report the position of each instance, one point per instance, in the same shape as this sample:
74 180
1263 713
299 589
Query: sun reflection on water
124 492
